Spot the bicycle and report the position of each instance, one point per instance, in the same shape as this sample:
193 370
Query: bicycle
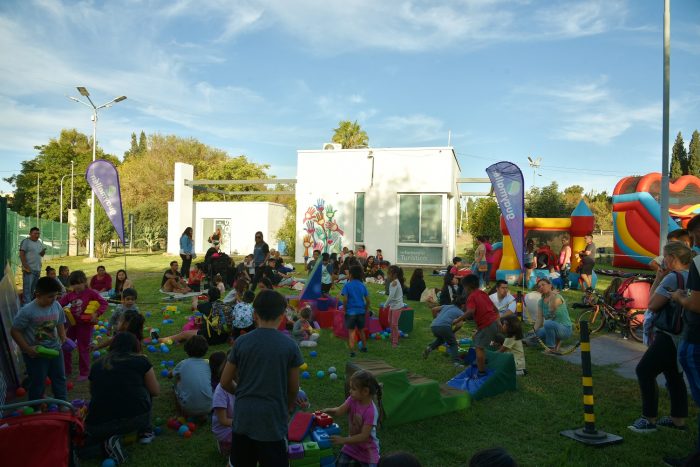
602 314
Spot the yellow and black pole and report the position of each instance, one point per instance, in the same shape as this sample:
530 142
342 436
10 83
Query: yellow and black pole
589 434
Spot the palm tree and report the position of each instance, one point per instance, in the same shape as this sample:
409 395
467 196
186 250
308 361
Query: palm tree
350 135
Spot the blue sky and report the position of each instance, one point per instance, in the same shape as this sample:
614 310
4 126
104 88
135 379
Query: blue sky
577 83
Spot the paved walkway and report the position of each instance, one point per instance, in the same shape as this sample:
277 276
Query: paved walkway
611 349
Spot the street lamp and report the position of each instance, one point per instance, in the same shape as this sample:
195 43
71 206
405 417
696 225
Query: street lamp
71 194
84 92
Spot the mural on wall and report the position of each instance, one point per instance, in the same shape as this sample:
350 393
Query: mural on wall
322 230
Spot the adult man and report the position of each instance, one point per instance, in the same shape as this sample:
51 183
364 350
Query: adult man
31 250
261 252
587 260
503 299
172 281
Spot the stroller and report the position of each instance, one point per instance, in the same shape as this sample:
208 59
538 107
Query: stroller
48 438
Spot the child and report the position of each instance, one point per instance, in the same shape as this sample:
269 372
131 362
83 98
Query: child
129 297
243 315
513 343
129 321
395 303
265 364
193 380
221 405
219 283
481 309
326 274
40 322
195 277
361 446
379 257
356 305
84 317
302 331
442 329
210 333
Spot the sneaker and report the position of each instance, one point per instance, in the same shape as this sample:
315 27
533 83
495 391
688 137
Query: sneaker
114 450
363 349
147 437
642 425
426 352
155 335
667 422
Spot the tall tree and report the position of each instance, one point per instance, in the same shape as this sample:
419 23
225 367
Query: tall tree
679 158
546 202
133 149
485 219
143 143
350 135
694 154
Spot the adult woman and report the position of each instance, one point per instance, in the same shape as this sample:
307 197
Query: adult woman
261 252
121 387
529 260
102 282
552 323
186 251
660 357
480 266
121 282
416 286
63 276
565 261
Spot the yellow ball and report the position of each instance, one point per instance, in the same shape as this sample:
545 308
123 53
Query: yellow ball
96 327
169 341
303 366
442 348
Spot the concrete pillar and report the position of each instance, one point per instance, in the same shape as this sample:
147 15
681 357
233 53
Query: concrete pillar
181 210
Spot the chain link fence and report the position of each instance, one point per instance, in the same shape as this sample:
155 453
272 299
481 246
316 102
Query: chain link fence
15 228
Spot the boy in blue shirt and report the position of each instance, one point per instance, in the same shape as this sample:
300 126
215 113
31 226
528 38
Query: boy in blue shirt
356 304
129 297
262 371
40 323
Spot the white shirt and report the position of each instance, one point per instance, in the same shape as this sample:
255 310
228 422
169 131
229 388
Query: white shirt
505 305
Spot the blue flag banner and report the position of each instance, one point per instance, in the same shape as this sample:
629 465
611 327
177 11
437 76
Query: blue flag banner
312 289
103 178
509 188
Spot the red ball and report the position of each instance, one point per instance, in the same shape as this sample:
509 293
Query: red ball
47 381
69 385
187 435
191 426
20 392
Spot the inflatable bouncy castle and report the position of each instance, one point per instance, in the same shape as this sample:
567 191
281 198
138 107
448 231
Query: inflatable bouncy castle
637 215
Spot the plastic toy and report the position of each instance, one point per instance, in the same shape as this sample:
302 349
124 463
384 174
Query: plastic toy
322 419
333 376
96 354
313 353
320 374
305 375
86 315
157 431
187 434
182 430
109 462
27 411
45 352
191 426
164 348
164 373
69 345
53 408
158 421
321 438
295 451
299 426
303 366
69 385
151 348
20 392
148 314
331 369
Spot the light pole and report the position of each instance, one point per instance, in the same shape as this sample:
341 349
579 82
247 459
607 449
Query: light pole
61 203
84 92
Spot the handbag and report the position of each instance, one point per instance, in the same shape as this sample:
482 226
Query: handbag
670 318
483 266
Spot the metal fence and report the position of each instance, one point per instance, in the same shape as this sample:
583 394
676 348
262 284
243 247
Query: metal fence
15 228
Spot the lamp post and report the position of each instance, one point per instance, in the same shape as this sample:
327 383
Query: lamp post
84 92
61 198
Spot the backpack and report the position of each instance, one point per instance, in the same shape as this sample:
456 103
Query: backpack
670 318
217 326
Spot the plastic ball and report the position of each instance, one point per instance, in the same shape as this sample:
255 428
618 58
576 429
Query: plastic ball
313 353
164 348
154 341
157 430
187 435
442 348
306 375
96 354
181 420
331 369
171 362
378 337
53 408
164 373
303 366
27 410
191 426
47 381
182 430
158 421
148 314
69 385
109 462
151 348
405 335
169 341
320 374
20 392
333 376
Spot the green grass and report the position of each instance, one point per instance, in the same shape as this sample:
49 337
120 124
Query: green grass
527 422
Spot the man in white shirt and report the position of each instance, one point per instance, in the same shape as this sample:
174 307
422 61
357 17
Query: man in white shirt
31 251
503 300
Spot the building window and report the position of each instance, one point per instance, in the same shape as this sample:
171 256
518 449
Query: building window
359 217
420 218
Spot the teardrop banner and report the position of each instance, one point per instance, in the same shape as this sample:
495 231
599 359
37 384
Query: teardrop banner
103 178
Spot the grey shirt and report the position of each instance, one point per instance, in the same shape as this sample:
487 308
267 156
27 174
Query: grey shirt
32 251
193 390
263 359
38 325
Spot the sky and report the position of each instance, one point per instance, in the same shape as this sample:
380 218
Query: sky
577 83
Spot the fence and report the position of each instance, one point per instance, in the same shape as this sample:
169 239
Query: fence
15 228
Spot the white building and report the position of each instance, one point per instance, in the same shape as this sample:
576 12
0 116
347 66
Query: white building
238 221
401 200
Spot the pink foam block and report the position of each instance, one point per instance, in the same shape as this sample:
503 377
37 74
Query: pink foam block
299 426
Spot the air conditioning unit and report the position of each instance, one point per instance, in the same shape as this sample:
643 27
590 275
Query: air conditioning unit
332 146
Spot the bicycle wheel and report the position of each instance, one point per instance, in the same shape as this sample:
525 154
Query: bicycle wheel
635 322
596 319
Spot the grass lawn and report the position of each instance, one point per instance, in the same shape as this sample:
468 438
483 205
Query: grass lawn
527 422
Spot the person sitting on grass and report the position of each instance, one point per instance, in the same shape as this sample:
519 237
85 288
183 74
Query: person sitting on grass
242 315
129 321
122 385
193 380
101 282
263 372
512 329
121 283
221 405
479 308
303 332
356 305
444 332
552 323
128 302
203 328
172 281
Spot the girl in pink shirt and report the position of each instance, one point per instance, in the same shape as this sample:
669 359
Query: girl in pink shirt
362 445
565 262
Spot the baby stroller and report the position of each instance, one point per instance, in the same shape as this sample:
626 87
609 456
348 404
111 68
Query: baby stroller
48 438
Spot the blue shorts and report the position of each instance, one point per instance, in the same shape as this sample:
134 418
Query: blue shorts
354 321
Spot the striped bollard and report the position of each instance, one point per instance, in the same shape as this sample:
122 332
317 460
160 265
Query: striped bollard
589 434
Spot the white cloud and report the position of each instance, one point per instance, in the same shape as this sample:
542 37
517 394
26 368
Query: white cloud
416 128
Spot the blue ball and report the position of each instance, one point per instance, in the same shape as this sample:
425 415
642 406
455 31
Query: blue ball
183 428
306 375
151 348
320 374
148 314
96 354
313 353
157 431
154 341
164 348
331 369
171 363
164 373
109 462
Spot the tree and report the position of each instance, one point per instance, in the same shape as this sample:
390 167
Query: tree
485 219
572 195
52 162
104 230
601 207
694 154
288 232
679 158
546 202
143 143
350 135
133 149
